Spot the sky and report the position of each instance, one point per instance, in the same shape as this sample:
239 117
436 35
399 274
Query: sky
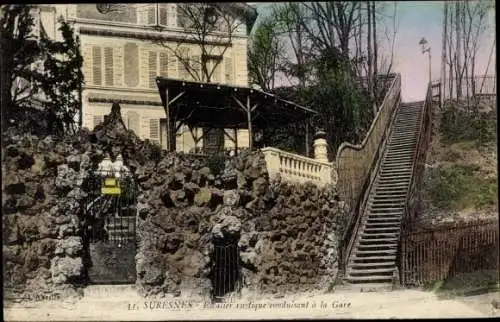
417 19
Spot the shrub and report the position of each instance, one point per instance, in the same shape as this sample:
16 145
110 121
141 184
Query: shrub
456 126
216 163
459 186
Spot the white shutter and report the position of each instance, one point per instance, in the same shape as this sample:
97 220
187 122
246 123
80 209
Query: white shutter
172 66
163 14
133 122
163 64
228 70
96 65
183 71
151 14
172 14
108 66
152 68
154 130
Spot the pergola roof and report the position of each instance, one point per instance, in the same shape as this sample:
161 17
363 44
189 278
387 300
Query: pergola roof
222 106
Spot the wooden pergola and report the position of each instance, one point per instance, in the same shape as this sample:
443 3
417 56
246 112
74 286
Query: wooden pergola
209 105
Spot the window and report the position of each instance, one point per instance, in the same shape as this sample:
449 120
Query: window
131 59
158 64
133 122
98 68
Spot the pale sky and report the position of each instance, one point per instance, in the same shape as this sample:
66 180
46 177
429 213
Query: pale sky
417 19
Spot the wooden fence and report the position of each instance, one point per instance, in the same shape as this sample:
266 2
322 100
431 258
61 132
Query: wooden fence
443 252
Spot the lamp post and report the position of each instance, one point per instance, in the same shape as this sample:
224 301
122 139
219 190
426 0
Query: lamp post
426 49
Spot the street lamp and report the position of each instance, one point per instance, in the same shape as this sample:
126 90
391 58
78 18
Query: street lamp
426 49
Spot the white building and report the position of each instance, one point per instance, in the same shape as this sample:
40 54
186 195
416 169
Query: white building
121 60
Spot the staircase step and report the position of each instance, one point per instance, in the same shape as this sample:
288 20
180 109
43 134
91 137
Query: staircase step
381 224
370 271
377 246
371 235
378 241
380 196
382 229
382 220
371 265
374 258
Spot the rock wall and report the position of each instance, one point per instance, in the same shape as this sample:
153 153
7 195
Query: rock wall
287 234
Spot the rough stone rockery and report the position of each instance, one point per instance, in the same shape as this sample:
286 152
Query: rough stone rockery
286 234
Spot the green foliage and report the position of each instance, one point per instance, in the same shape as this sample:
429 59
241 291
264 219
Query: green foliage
57 79
457 125
264 55
216 163
460 186
62 79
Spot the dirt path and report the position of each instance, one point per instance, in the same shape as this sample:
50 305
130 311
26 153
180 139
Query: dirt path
123 304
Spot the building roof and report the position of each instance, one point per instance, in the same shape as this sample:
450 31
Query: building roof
243 10
224 106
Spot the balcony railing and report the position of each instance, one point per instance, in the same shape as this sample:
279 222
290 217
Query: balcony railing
297 168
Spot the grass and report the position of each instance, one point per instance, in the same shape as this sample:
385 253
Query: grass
465 175
461 186
474 283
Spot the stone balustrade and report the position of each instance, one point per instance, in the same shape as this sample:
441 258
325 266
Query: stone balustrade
297 168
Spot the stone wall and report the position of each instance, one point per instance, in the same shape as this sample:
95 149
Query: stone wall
287 233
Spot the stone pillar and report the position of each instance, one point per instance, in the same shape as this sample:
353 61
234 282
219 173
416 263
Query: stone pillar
320 147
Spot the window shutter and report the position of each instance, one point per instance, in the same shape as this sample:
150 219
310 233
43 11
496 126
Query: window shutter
172 14
228 69
152 68
172 66
98 119
154 130
163 14
163 65
151 14
96 65
108 66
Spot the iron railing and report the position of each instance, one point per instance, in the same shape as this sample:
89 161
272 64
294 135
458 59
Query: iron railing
357 166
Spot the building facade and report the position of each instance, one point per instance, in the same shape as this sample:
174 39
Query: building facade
122 58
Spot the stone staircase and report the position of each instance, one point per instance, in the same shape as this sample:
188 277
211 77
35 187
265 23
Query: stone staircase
372 263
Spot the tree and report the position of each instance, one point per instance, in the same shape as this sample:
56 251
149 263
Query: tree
62 79
18 51
264 55
35 68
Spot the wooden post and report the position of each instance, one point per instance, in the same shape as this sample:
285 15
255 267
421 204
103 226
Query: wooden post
235 131
307 139
249 117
